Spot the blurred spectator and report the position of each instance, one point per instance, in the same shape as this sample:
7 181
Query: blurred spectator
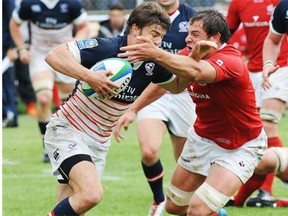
9 107
114 25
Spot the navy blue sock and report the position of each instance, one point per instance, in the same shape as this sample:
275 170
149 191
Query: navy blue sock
154 175
63 208
42 127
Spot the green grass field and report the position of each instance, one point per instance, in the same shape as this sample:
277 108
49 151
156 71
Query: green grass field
29 187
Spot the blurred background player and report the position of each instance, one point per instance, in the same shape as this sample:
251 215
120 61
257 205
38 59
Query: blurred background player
172 112
23 82
115 24
9 105
52 23
255 17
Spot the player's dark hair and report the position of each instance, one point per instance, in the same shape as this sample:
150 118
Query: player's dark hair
213 22
146 14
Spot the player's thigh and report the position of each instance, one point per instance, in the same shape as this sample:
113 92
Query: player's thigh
178 144
223 180
65 88
186 180
274 104
150 134
83 178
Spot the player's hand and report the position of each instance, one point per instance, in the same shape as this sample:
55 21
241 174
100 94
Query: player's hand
144 50
100 82
24 55
202 48
125 120
267 71
12 55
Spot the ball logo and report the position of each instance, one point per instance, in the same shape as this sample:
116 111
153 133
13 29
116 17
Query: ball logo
122 74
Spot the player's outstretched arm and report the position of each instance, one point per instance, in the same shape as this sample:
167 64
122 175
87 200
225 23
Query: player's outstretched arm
182 66
61 60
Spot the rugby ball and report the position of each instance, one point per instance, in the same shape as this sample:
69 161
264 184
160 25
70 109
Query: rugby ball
122 74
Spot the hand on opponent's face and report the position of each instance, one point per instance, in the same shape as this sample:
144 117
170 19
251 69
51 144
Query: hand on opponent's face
202 48
145 50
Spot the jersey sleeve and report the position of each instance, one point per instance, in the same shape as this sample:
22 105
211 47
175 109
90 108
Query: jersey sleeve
22 12
77 12
226 66
162 75
95 49
233 19
277 24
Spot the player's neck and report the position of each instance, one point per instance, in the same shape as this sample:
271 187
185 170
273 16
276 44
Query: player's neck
171 10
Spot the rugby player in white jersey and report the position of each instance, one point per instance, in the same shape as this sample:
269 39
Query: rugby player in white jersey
78 136
52 23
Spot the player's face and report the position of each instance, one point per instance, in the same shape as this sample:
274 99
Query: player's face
195 33
154 32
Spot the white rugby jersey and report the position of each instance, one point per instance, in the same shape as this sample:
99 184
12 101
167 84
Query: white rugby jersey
51 20
97 118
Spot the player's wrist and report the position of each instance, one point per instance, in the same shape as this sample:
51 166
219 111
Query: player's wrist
21 49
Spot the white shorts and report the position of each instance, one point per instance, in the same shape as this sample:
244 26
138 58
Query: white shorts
279 82
256 79
177 110
38 64
199 153
62 141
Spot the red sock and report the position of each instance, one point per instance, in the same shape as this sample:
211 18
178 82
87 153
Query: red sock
247 189
56 97
282 203
274 142
268 183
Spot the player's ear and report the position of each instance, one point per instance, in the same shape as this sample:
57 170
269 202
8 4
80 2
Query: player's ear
135 30
216 37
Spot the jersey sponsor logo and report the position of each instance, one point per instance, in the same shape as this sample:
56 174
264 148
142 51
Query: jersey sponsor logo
149 67
36 8
183 26
89 43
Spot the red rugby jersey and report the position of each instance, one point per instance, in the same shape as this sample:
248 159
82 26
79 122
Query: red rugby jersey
255 16
226 109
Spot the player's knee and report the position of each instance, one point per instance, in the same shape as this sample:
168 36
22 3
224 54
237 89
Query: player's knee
211 197
92 197
149 153
43 90
177 200
44 98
